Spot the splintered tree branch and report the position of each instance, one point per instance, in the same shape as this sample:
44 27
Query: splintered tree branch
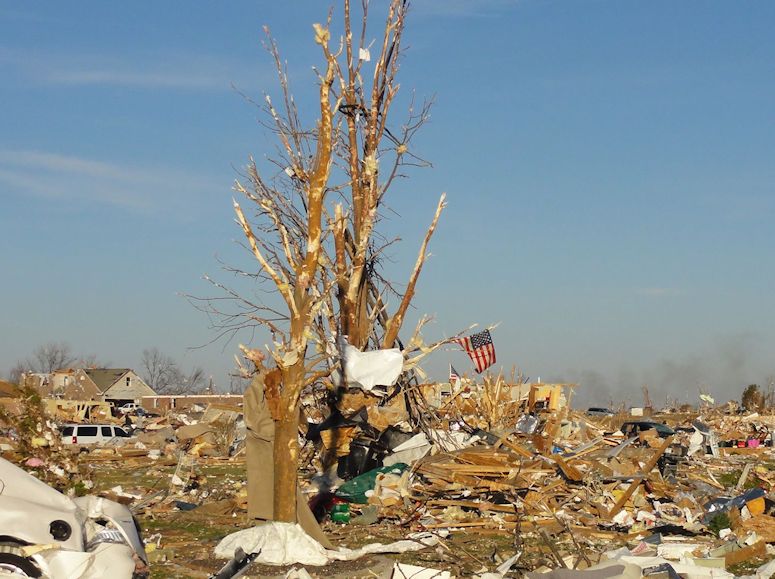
395 322
321 169
282 285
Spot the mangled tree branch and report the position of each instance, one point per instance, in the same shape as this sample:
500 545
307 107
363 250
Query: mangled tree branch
395 322
366 125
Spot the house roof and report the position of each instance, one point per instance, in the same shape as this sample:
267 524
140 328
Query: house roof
104 378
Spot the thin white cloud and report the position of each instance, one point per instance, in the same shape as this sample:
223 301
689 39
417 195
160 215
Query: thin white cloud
203 72
136 79
56 176
63 163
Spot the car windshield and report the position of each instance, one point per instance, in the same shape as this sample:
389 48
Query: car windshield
640 426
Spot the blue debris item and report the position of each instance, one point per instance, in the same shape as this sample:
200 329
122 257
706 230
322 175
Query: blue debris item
724 504
663 570
184 506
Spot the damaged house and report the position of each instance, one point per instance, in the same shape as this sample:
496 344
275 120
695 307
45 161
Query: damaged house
114 385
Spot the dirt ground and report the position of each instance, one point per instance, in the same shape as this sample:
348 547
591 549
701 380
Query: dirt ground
186 539
180 543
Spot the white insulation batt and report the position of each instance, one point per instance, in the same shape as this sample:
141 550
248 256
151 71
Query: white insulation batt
286 544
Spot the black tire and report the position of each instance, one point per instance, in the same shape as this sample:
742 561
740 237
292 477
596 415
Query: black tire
12 560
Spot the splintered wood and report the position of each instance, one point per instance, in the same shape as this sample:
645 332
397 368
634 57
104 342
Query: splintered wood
554 478
564 484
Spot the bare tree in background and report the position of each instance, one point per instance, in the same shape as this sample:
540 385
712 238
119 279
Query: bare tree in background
238 382
92 361
16 371
157 369
44 359
195 380
162 373
311 225
52 356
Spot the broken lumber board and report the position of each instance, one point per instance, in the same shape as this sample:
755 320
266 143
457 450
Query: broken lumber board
605 470
569 471
526 526
706 480
584 449
758 549
597 533
483 470
743 476
746 451
465 524
523 452
762 525
639 478
482 506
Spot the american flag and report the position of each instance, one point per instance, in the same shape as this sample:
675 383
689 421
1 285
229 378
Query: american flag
453 375
480 348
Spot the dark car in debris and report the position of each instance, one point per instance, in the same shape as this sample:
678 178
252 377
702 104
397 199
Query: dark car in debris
635 427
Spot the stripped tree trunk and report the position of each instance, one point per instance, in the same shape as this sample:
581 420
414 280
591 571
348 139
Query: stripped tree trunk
286 452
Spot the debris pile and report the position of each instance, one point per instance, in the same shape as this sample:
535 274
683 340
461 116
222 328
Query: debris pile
680 491
686 492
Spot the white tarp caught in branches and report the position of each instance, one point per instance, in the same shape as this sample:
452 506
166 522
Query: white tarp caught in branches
369 369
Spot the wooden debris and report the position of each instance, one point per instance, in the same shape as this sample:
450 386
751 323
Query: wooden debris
639 479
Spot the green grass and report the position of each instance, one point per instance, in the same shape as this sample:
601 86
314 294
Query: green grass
189 524
729 479
748 567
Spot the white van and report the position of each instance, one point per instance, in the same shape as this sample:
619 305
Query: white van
92 433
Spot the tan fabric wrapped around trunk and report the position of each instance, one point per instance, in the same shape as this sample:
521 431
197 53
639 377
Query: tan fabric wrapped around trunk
260 464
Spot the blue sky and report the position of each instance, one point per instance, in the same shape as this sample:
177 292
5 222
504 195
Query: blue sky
608 165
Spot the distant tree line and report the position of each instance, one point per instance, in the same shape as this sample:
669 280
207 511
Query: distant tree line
160 371
50 357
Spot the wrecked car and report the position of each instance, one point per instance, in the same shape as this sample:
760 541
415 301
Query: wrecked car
634 427
598 411
44 533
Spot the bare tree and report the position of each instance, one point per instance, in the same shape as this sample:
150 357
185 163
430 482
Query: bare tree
753 398
163 374
16 371
196 380
52 356
44 359
238 383
312 223
92 361
157 369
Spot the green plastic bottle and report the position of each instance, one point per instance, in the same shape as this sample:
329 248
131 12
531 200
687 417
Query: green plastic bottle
341 513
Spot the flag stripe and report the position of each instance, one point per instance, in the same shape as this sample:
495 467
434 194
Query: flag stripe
479 348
